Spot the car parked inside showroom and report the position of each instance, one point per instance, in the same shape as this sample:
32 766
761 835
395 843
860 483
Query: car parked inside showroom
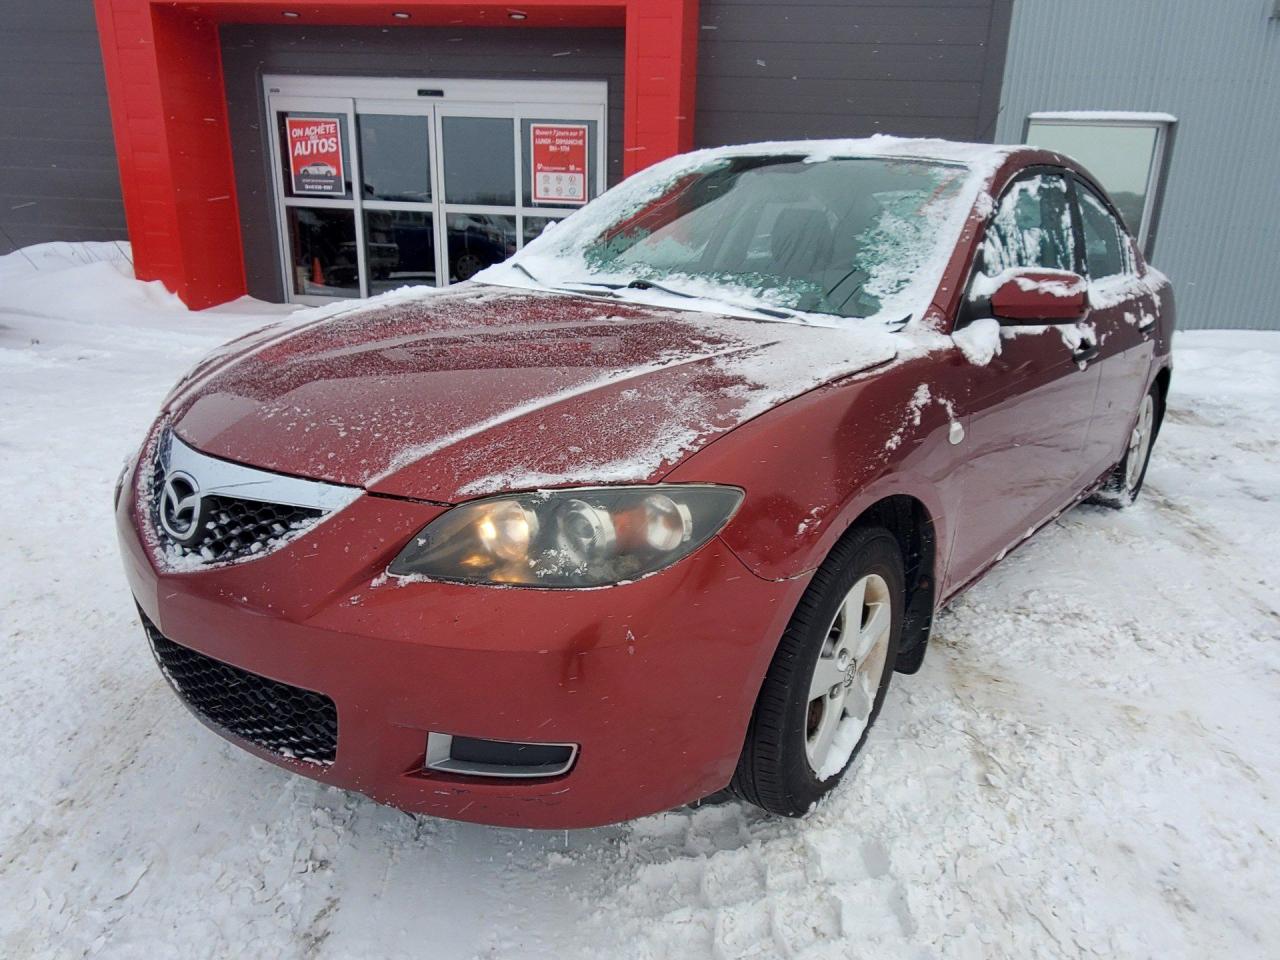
657 507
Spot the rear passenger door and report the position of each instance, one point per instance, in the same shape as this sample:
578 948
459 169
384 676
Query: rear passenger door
1122 314
1028 406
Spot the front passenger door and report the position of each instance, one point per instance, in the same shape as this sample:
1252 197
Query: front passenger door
1029 406
1122 314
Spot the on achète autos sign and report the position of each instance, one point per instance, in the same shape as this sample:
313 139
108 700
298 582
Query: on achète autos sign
315 155
559 158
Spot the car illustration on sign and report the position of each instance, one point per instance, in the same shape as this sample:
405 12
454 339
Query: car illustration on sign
658 507
318 169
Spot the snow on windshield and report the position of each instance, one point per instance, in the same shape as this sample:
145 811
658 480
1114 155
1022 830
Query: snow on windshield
844 229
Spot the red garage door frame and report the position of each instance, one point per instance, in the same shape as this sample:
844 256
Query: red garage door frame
168 105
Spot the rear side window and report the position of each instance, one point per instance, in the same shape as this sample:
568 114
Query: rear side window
1105 243
1031 227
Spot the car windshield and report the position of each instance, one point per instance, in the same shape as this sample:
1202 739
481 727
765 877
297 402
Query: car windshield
844 237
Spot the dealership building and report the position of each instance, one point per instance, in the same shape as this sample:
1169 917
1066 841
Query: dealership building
338 148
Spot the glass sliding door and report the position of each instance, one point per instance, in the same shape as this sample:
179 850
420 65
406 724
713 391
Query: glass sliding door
478 153
314 174
386 189
397 193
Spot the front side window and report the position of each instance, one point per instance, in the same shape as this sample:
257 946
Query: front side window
1031 227
1105 242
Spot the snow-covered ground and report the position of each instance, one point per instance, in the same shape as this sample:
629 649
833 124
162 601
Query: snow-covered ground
1089 762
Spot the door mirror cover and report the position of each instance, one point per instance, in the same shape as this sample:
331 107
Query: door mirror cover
1027 295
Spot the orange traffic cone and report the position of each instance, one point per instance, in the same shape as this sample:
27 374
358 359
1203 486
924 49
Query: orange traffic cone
317 273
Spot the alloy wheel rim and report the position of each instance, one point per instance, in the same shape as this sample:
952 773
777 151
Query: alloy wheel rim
847 675
1139 443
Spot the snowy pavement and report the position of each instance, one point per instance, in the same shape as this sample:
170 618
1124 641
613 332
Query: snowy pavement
1088 764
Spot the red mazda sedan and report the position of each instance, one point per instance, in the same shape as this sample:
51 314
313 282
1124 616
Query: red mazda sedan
658 506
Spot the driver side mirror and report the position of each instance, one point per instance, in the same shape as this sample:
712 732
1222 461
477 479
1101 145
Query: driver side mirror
1027 295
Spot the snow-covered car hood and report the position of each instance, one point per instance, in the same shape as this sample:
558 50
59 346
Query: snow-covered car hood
480 389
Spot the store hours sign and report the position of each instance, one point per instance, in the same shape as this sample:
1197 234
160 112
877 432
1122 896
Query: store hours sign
315 156
559 157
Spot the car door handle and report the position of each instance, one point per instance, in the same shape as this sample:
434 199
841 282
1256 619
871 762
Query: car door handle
1085 352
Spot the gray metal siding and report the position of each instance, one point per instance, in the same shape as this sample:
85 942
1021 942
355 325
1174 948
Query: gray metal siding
849 68
1216 67
58 175
249 52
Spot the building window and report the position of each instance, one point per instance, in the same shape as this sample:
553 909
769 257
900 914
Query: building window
1128 153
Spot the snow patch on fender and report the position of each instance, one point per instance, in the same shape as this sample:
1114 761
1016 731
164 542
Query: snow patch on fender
979 341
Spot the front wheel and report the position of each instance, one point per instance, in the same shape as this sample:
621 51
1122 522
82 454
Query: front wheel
1125 482
828 677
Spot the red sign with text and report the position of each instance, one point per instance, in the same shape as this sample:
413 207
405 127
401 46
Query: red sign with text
559 162
315 155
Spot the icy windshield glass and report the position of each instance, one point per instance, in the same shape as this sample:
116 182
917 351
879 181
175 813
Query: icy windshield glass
844 237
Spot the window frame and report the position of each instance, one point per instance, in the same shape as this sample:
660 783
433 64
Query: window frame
1030 173
966 314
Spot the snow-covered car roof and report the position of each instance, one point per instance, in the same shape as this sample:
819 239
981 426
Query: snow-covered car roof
985 155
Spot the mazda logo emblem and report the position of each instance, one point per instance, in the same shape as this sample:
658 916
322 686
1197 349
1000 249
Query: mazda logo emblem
181 508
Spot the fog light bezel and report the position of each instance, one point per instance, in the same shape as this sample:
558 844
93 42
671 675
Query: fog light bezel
439 759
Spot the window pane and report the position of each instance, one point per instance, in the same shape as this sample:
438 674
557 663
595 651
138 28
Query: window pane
401 249
1104 247
322 252
394 157
477 240
560 153
314 162
1032 228
533 227
479 161
1118 156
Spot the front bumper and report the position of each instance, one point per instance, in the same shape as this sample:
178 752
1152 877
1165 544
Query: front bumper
654 680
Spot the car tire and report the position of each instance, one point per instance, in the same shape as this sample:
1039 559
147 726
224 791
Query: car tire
467 266
1124 484
798 746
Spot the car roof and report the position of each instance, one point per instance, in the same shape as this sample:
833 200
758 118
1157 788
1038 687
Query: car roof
986 155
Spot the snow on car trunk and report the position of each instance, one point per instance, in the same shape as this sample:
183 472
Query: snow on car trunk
1086 765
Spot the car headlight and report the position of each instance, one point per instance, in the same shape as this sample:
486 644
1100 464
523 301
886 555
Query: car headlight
568 538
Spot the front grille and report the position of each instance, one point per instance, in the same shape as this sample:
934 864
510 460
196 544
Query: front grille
235 528
287 720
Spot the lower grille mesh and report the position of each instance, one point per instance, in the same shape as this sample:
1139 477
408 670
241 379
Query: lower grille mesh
287 720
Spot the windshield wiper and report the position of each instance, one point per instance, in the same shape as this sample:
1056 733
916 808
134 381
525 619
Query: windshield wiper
525 270
590 283
650 285
780 313
612 288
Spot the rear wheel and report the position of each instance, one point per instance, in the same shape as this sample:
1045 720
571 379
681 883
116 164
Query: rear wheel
828 677
1125 482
